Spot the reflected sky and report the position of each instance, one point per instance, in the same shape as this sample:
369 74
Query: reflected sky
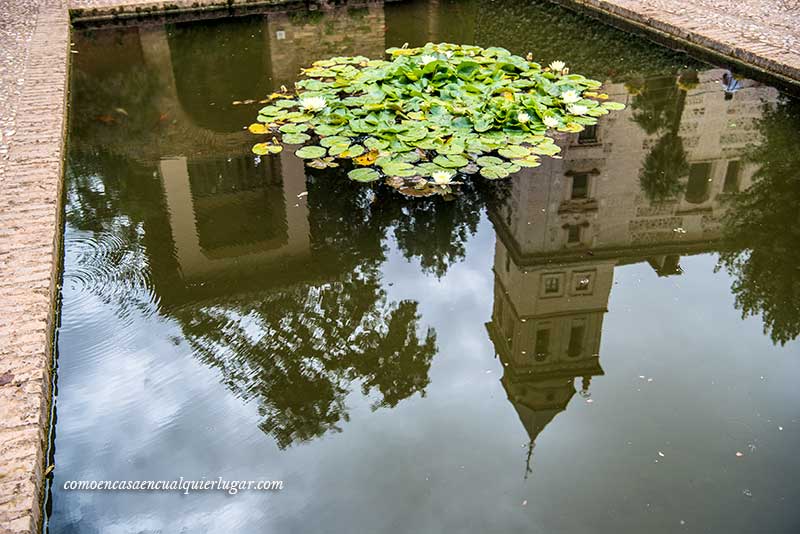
582 348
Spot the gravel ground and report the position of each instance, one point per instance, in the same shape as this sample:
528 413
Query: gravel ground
17 21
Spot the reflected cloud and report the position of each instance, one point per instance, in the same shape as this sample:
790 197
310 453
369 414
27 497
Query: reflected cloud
274 274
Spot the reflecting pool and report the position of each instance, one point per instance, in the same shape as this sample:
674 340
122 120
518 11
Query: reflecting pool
606 343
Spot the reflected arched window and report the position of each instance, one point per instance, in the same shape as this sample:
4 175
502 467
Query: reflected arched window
542 347
698 187
576 336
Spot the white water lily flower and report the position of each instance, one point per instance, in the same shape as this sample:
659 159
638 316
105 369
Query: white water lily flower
570 97
557 66
449 54
523 117
313 103
550 122
577 109
426 59
442 177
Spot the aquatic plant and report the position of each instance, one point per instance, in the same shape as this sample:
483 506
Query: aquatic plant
427 114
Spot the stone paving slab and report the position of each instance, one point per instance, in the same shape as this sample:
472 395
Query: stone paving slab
764 34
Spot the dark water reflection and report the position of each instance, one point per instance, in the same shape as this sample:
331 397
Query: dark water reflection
401 364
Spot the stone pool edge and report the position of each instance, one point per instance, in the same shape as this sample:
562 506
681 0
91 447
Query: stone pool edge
116 10
30 258
707 43
31 225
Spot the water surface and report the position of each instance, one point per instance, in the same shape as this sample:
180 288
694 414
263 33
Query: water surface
583 348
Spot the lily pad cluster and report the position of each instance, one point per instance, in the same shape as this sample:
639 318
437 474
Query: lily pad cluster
427 114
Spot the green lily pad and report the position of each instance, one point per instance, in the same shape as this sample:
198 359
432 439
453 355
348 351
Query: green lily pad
364 175
410 157
430 108
338 148
529 161
451 162
352 152
295 138
334 140
262 149
293 128
514 151
488 161
398 168
328 129
310 152
546 149
494 172
373 143
285 104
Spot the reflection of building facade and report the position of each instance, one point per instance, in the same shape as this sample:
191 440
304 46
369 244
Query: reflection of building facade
592 199
568 223
229 212
565 226
223 224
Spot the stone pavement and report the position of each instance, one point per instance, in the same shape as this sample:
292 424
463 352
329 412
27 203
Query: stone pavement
760 33
34 55
34 59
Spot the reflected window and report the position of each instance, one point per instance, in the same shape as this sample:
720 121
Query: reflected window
508 324
576 339
582 282
573 233
580 186
542 347
588 134
732 177
237 203
699 181
552 285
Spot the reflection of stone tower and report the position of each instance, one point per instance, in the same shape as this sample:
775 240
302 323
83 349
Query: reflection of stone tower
547 317
546 326
229 213
567 224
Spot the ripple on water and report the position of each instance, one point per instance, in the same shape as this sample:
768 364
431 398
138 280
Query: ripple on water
105 273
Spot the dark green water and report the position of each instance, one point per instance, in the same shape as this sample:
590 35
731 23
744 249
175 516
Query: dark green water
583 348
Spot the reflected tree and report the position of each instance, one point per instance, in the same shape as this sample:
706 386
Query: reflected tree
436 230
298 351
295 345
658 107
762 227
662 169
551 32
